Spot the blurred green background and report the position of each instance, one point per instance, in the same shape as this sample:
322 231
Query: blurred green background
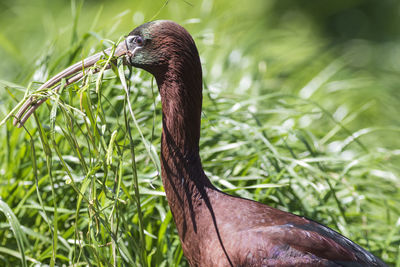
318 74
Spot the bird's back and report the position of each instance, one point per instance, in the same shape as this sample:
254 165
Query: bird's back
239 232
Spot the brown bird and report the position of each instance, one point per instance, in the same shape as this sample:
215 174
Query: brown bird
215 229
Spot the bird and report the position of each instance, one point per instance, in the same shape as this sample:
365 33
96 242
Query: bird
215 228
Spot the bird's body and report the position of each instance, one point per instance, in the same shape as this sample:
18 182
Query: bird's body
216 229
222 230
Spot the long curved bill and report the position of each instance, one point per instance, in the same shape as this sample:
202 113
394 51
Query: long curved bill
71 74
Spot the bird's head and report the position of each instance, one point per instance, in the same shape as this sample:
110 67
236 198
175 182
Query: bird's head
156 47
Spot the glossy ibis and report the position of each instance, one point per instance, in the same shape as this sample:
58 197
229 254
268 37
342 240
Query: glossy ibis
215 229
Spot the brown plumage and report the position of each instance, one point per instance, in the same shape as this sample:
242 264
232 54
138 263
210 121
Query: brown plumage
217 229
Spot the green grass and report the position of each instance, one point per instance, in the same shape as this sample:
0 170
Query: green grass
289 119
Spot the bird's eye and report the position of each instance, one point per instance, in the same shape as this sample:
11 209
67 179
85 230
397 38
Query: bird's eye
139 40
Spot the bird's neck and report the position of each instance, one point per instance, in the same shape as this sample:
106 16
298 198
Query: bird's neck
181 98
183 177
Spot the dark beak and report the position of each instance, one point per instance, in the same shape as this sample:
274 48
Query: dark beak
71 74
